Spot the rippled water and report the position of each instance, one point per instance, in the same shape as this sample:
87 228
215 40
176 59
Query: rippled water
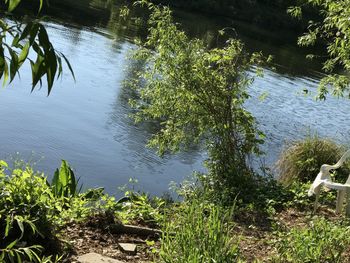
86 122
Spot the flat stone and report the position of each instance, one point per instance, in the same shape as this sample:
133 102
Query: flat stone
96 258
128 248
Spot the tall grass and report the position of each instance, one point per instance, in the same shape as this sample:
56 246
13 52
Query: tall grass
302 160
199 233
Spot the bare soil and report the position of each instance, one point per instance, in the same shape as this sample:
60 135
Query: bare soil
256 234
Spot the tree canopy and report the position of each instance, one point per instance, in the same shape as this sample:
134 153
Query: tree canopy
333 31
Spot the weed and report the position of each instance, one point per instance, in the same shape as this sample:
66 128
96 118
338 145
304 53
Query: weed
321 241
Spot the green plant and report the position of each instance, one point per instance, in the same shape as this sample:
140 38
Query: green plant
26 205
333 29
141 208
321 241
64 183
302 160
199 233
18 40
196 96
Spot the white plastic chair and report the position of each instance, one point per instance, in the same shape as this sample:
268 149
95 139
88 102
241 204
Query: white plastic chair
323 179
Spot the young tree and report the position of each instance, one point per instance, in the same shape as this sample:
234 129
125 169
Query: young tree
197 95
334 31
20 42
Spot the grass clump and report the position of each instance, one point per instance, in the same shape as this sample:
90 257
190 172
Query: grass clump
321 241
302 160
199 233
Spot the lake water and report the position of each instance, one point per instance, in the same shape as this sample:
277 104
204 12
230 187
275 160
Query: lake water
86 122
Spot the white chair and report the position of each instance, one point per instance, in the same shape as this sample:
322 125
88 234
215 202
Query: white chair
324 179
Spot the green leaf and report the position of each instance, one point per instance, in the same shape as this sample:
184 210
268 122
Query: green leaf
12 244
13 64
69 65
6 73
3 164
44 39
13 4
21 227
24 53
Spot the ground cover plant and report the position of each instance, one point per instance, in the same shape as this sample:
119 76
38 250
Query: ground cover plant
319 241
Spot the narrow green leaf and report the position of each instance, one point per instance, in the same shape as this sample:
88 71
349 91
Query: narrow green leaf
21 227
69 65
2 62
26 31
12 244
13 64
6 73
13 4
24 53
44 39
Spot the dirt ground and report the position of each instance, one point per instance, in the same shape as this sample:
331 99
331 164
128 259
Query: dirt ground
255 233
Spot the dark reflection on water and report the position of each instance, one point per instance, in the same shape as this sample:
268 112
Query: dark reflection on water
88 122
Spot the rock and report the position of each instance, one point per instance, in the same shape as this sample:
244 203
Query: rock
128 248
96 258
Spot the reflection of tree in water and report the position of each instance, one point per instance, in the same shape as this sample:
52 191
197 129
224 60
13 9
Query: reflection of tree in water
289 58
106 14
135 136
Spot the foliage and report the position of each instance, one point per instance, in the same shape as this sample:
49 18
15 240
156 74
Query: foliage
334 30
19 43
198 232
141 208
196 95
64 183
321 241
31 210
302 160
25 204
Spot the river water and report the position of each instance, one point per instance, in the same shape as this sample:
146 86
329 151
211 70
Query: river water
86 122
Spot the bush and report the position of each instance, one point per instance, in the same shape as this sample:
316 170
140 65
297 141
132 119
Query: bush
322 241
302 160
197 97
25 206
31 210
199 233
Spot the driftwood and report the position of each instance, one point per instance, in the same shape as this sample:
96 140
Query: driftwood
135 230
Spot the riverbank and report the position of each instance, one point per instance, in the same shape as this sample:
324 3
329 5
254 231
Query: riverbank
53 222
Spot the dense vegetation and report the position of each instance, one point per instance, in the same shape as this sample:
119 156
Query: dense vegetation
212 84
333 29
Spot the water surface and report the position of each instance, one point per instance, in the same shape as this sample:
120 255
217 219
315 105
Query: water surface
87 122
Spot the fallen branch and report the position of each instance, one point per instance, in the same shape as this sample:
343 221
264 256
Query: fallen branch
136 230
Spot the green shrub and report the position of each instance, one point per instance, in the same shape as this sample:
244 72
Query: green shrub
302 160
198 233
321 241
197 95
25 207
31 210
